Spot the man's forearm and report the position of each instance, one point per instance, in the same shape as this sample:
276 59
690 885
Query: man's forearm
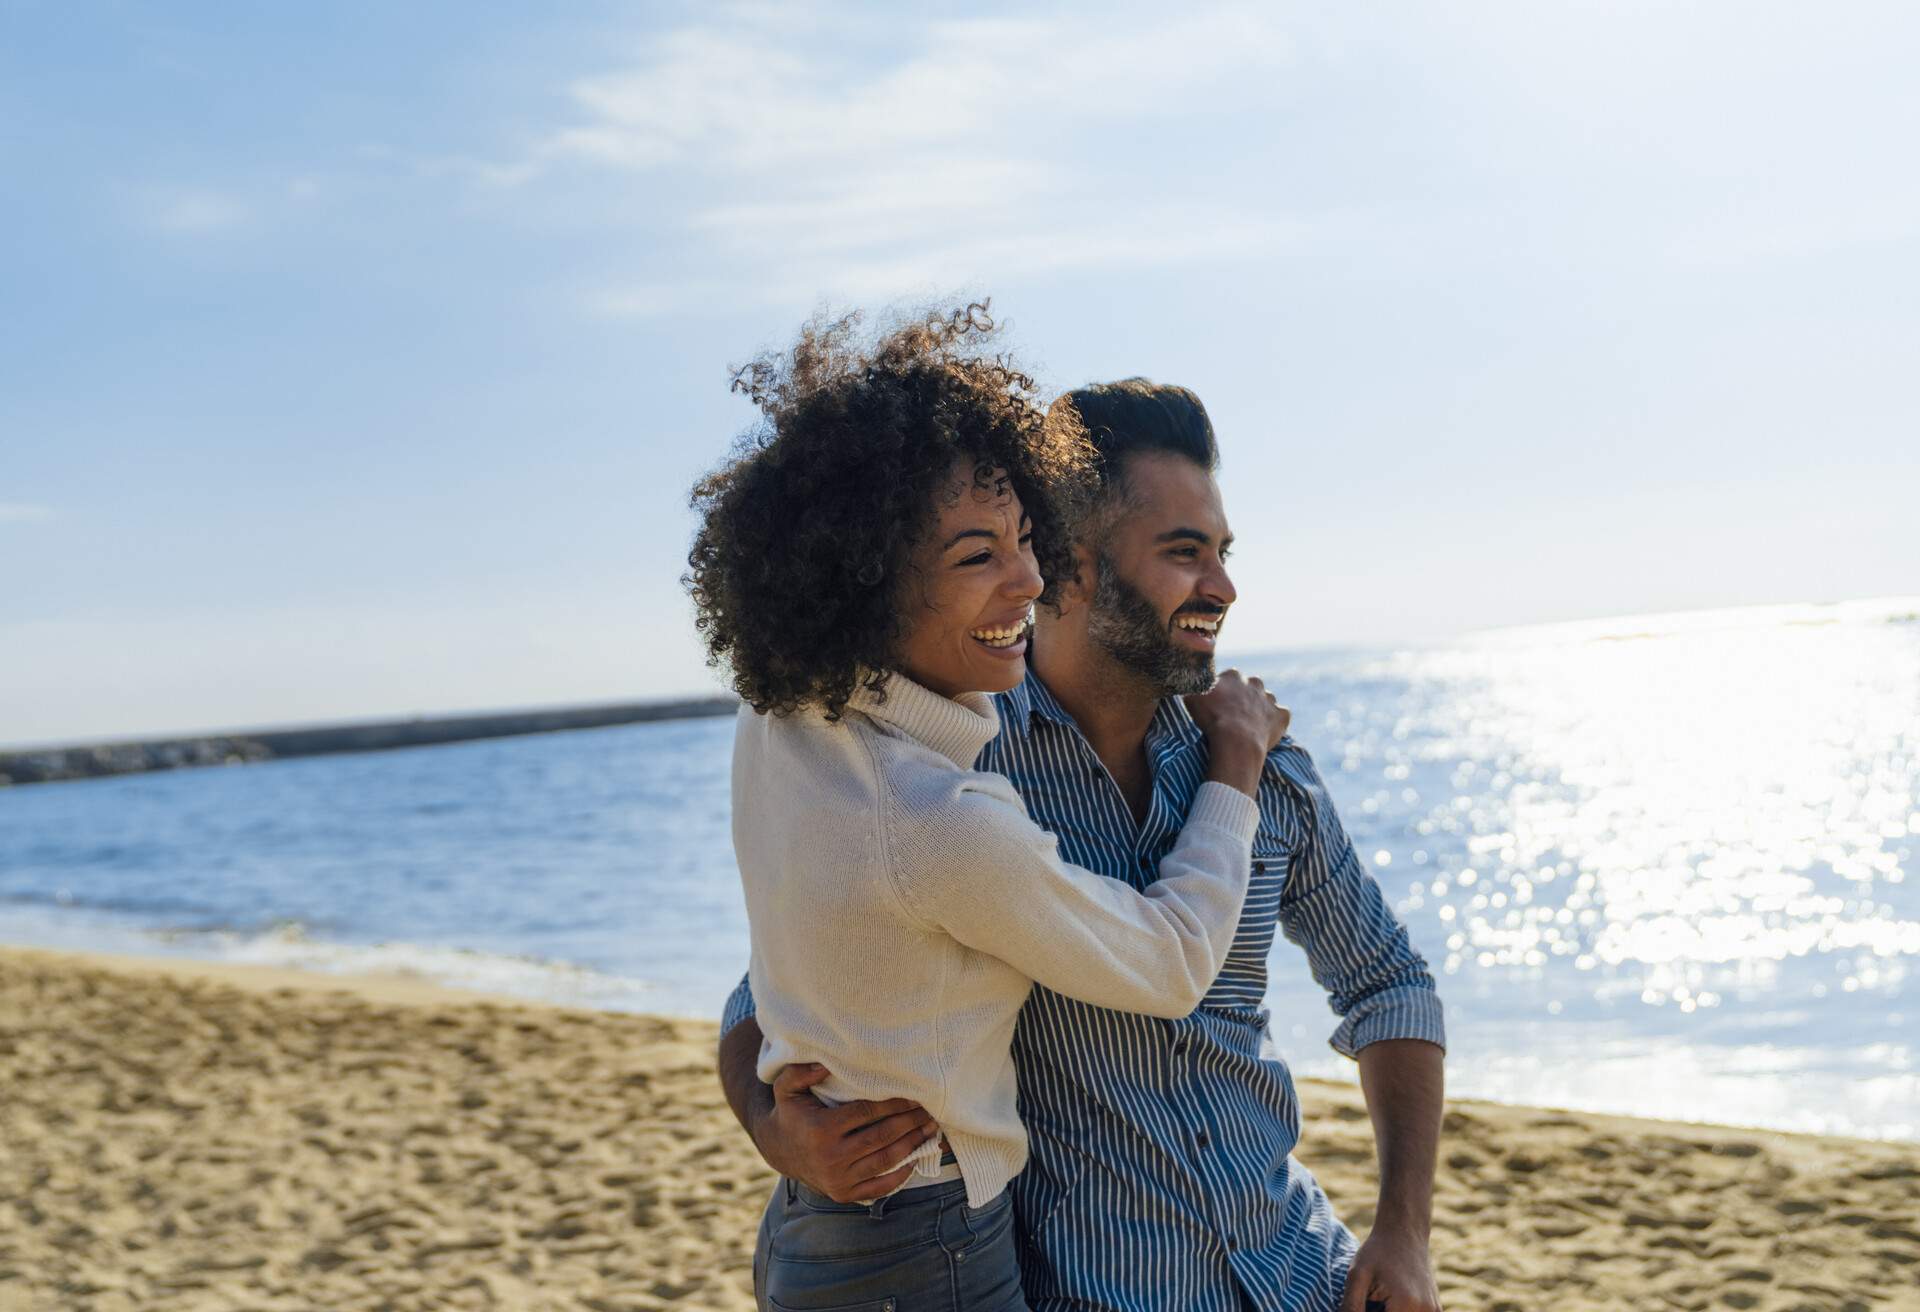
1405 1085
750 1099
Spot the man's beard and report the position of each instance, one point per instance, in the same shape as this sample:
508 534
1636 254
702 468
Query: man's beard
1125 625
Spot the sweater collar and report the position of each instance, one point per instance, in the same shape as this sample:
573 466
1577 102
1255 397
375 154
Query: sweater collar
955 727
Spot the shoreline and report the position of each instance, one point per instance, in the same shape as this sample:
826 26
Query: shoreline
408 988
383 988
189 1135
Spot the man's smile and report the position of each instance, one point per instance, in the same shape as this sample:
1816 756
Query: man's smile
1198 632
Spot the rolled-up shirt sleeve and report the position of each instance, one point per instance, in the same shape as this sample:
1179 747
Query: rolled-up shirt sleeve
1376 981
739 1006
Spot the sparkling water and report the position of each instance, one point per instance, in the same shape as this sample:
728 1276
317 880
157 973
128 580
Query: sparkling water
1663 866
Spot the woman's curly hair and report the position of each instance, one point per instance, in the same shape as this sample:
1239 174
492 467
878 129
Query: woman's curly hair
808 531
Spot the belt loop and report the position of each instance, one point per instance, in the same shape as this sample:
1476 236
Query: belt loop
793 1190
877 1209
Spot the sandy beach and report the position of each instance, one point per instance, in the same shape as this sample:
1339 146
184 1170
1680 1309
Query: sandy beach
182 1136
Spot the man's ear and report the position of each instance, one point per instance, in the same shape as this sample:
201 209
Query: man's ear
1077 591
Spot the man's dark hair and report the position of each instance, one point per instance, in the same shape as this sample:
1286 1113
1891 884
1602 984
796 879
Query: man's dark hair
1137 415
807 533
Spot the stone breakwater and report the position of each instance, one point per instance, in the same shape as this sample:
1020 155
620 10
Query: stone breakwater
90 761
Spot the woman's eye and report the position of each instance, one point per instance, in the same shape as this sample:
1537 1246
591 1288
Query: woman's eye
1025 539
980 559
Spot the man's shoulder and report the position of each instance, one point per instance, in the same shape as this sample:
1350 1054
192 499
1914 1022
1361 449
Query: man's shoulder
1291 778
1293 758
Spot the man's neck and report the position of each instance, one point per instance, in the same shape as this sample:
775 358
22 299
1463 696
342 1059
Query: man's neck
1112 708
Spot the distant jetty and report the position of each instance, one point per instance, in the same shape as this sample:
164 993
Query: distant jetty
91 761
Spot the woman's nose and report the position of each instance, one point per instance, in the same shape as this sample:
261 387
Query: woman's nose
1026 582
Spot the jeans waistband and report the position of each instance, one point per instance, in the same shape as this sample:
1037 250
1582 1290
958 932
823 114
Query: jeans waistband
949 1172
933 1193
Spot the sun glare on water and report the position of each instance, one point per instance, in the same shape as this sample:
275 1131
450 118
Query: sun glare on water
1653 860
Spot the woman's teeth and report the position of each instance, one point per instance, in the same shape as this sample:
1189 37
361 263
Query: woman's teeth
1003 637
1204 623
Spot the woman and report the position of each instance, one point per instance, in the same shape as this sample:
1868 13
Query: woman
867 565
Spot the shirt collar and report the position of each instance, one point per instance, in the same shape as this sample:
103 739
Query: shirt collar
1172 726
1027 699
955 727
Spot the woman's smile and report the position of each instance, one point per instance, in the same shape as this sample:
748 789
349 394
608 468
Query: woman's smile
977 561
1005 639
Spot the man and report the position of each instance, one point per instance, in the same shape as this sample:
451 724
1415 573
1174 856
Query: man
1160 1176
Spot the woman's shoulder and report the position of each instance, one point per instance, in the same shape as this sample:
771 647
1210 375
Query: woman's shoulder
802 753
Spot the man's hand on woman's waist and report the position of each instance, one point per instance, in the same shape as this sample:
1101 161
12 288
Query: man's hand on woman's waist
852 1153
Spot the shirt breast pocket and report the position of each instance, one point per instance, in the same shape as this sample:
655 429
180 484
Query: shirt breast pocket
1266 882
1243 979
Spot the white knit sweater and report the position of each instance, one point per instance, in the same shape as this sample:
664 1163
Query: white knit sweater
902 904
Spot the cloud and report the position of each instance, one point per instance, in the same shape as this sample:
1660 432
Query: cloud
916 269
660 300
781 162
195 212
22 512
727 98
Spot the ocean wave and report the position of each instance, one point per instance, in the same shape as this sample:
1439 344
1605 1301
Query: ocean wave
291 946
131 905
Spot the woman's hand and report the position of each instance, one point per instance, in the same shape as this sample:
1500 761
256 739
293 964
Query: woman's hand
1242 722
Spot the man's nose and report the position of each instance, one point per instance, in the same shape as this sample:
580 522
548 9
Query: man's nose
1217 587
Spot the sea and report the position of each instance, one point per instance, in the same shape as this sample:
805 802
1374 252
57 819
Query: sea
1662 865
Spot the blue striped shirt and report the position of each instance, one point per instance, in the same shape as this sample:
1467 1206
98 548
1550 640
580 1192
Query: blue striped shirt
1160 1173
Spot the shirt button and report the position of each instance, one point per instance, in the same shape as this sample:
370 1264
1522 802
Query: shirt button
1180 1047
1200 1137
1232 1243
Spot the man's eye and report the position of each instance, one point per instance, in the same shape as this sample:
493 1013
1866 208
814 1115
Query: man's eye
1225 552
1186 552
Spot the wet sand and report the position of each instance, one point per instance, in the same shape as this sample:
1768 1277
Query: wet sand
182 1136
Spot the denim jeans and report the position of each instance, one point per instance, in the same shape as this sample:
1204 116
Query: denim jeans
920 1250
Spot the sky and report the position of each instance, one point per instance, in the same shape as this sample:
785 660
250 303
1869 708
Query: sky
356 359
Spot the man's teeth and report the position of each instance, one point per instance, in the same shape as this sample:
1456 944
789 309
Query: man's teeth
1204 623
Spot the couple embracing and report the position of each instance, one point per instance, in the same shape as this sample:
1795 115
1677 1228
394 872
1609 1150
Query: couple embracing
1014 857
